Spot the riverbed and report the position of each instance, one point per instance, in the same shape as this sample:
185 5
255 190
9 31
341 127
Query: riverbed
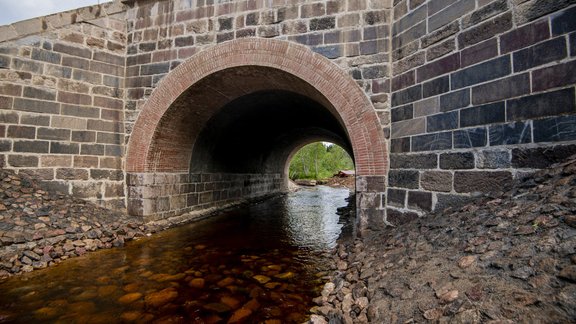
262 263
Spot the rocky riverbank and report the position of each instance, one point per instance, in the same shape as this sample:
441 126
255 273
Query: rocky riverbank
505 258
39 229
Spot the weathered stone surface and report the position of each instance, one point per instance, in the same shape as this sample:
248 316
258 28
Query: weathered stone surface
493 160
512 133
480 181
397 217
470 137
413 161
404 179
541 157
421 200
437 181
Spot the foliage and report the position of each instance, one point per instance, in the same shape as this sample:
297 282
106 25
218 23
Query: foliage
319 161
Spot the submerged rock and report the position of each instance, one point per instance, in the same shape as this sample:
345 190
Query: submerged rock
129 298
162 297
240 315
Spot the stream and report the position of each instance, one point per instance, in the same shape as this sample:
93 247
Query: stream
261 263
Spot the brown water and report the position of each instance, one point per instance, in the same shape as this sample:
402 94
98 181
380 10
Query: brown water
259 264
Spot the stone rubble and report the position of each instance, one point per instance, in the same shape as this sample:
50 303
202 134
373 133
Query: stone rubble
39 229
507 257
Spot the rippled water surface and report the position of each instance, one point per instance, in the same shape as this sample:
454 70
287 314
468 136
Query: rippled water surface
260 264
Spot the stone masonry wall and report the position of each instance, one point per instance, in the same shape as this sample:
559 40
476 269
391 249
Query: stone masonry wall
352 33
61 101
163 195
482 92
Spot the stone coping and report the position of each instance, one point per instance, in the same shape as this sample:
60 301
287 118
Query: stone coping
58 20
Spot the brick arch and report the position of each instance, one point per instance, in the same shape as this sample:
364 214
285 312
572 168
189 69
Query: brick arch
351 104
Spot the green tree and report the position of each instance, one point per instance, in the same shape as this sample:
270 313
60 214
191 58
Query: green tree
319 161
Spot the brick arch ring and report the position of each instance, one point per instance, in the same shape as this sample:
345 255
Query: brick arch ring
342 92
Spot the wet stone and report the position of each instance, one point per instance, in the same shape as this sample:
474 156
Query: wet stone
130 298
160 298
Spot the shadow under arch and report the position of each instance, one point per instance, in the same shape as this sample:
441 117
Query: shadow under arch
170 125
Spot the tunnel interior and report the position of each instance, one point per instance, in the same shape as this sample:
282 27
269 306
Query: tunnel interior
229 137
244 120
256 133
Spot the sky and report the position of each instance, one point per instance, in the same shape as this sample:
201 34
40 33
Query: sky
16 10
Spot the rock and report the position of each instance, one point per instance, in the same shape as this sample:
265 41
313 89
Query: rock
274 267
367 273
466 261
106 291
162 277
226 282
129 298
285 275
261 279
305 182
433 314
217 308
568 273
197 283
131 316
362 302
26 260
46 313
39 264
84 307
449 296
131 287
328 289
272 285
347 303
317 319
570 220
232 302
240 315
468 316
523 273
342 265
162 297
273 321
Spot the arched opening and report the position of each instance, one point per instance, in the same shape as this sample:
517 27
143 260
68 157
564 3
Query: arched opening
320 161
222 126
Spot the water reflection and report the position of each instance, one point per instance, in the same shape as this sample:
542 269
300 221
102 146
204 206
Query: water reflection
259 264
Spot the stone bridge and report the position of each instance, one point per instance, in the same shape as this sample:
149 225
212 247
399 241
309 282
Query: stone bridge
165 107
